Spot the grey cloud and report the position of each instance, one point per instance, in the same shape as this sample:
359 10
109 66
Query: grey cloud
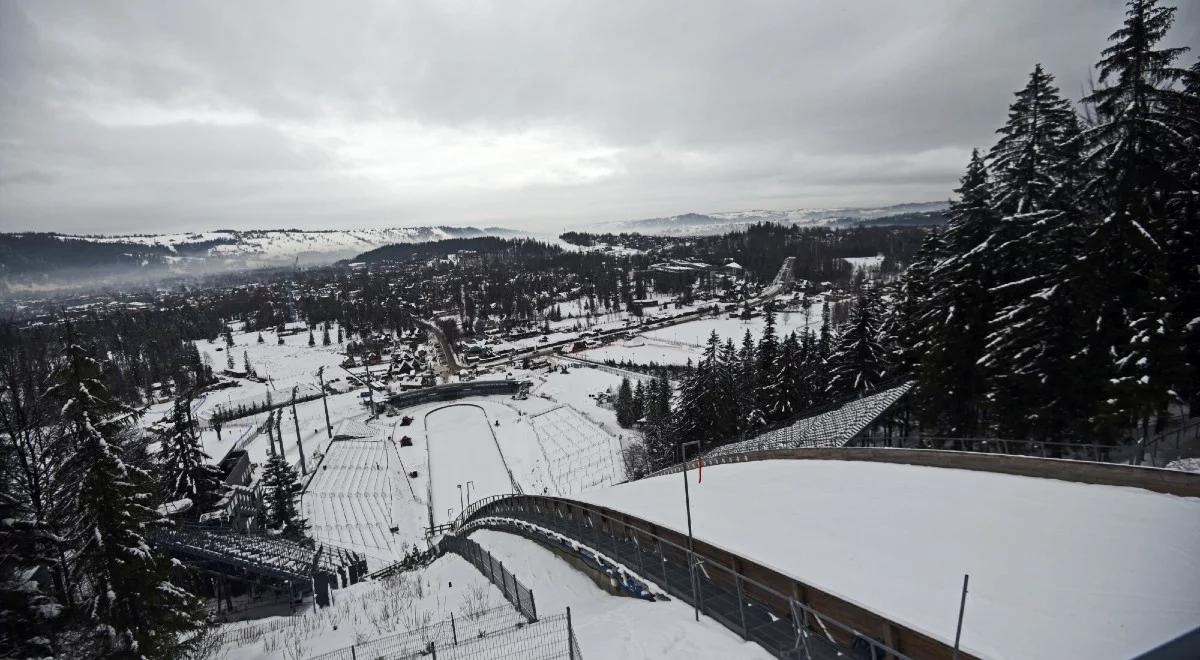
172 115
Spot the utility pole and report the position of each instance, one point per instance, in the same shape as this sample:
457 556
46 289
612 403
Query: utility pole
270 433
299 442
687 498
370 391
321 379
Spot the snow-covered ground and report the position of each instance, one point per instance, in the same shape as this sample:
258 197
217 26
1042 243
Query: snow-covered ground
463 454
370 610
612 626
1058 569
697 332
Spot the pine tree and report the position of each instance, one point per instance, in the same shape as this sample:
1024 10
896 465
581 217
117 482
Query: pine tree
1131 153
325 341
260 338
27 614
229 360
1041 374
639 401
132 607
859 362
312 340
952 383
282 483
249 368
339 334
749 415
825 338
188 471
767 355
624 404
788 391
904 336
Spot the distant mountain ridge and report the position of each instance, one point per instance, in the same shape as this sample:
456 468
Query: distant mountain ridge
921 213
41 257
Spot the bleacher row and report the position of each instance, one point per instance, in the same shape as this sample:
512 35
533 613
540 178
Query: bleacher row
351 499
581 455
833 428
244 555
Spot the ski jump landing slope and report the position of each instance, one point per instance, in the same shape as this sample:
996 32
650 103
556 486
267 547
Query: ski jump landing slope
462 449
1058 569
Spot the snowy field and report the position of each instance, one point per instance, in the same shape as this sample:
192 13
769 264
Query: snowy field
370 610
462 449
646 350
1058 569
696 333
612 626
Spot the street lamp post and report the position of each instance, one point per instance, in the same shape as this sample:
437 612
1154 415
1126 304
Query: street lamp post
461 506
469 484
687 498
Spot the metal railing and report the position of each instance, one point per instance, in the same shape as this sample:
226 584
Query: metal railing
493 569
759 612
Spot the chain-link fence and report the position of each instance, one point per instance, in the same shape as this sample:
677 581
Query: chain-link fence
448 632
551 638
493 569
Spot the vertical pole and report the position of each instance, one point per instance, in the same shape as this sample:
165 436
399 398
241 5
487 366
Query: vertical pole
962 605
687 498
321 379
370 391
570 636
299 443
453 629
741 596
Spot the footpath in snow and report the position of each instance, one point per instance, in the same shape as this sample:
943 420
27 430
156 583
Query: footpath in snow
1058 569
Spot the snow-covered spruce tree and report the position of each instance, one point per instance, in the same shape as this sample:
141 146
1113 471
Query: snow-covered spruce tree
1185 244
749 415
767 355
704 412
903 334
185 467
325 341
657 433
624 404
131 607
1131 153
639 401
859 362
951 384
825 338
1041 374
28 616
787 396
312 340
282 483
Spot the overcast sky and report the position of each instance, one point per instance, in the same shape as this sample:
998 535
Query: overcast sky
160 116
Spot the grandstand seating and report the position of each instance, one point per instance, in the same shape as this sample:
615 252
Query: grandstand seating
581 455
832 428
350 501
252 555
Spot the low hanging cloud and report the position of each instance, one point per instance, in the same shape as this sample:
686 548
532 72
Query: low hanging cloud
151 116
